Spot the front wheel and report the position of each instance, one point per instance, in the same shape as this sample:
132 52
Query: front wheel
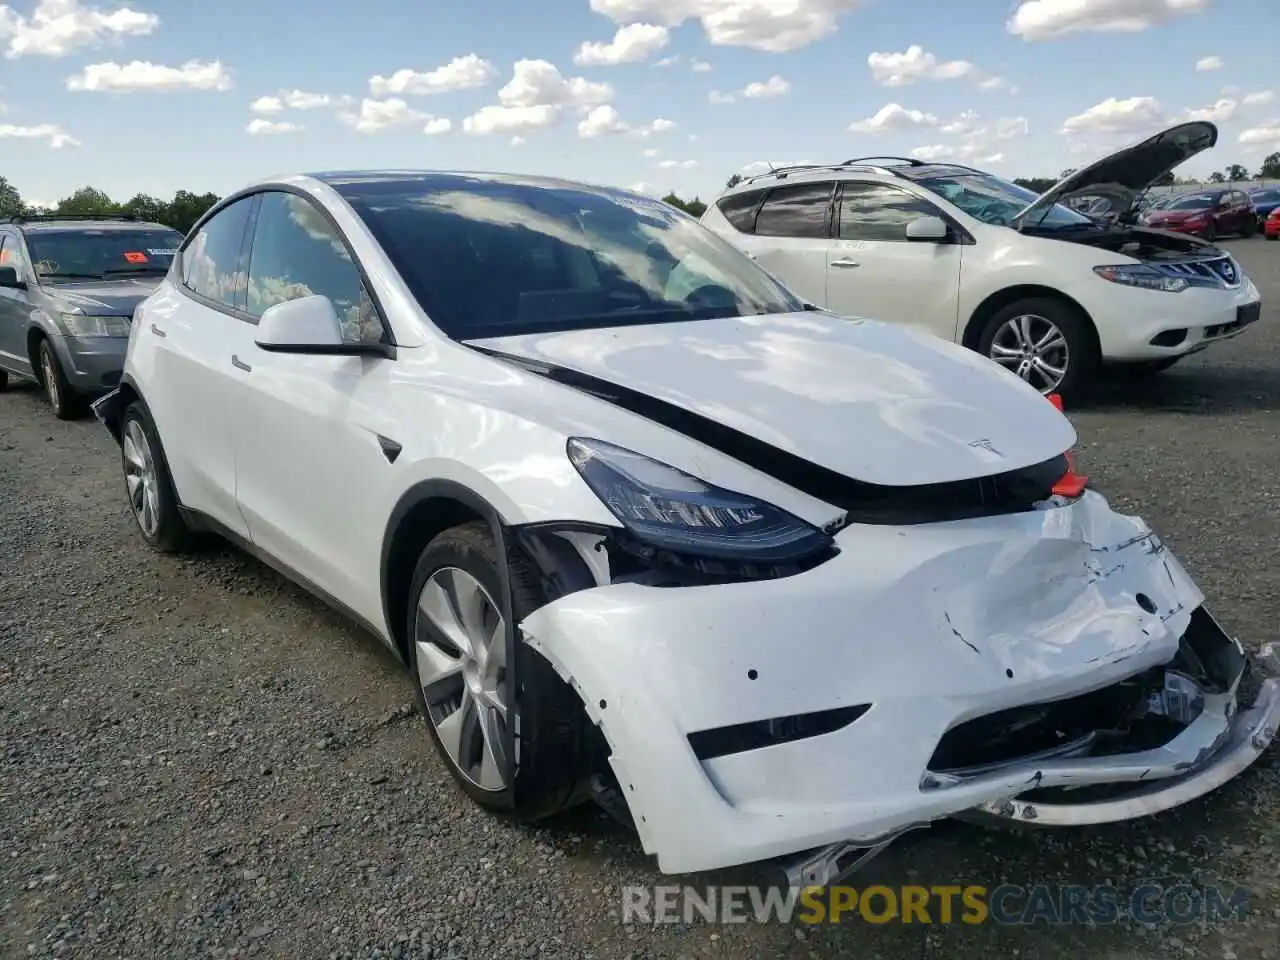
66 403
146 475
480 702
1046 342
1250 228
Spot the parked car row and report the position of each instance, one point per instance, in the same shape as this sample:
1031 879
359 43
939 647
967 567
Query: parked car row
1044 290
652 529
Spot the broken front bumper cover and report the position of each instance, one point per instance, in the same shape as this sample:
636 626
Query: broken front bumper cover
899 635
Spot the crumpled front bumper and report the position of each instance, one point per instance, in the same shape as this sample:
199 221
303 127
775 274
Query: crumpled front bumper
926 627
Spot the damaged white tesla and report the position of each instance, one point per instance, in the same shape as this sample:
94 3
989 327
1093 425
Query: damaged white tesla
765 581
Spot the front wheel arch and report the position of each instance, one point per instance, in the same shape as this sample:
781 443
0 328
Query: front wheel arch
985 310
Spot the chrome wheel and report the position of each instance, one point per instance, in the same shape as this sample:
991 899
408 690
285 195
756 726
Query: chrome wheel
460 644
50 375
140 477
1034 348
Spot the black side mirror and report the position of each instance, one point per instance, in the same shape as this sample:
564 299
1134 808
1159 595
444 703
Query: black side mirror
9 279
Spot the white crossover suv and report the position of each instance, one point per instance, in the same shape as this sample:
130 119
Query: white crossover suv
764 581
1042 289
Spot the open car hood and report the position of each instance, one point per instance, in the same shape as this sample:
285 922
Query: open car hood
1125 174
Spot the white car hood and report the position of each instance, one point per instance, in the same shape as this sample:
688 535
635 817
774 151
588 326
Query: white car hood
868 400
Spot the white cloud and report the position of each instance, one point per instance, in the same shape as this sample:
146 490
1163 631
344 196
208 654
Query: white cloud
1267 136
260 127
700 66
437 125
142 75
461 73
601 121
648 189
717 97
893 117
904 69
667 61
376 115
1116 118
518 141
996 83
678 164
633 43
1209 63
760 166
55 135
496 118
1259 98
769 25
538 83
58 27
775 86
651 153
289 99
534 99
1050 19
1219 112
977 140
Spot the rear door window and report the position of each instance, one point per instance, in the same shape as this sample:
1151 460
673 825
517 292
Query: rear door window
802 211
741 208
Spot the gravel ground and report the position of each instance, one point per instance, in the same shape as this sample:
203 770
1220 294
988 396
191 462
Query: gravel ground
202 761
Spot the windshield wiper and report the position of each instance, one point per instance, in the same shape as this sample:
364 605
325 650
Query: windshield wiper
135 270
60 275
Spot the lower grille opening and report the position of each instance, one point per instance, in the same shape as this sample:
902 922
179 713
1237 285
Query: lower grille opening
1141 712
741 737
1169 338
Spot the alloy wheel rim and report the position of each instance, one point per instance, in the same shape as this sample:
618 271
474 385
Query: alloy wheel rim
140 478
460 641
1035 349
50 378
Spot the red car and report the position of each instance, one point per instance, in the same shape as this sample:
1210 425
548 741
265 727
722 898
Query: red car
1208 214
1271 229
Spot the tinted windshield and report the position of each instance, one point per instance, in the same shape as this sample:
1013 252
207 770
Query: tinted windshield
997 201
101 254
1265 196
1199 202
501 257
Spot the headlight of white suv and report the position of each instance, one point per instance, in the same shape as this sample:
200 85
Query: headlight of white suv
670 510
1138 275
79 325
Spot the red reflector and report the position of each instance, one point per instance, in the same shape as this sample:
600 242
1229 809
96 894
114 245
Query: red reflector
1056 400
1070 486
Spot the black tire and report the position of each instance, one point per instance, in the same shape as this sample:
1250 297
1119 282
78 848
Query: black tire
555 746
1210 232
1081 341
1273 236
1250 228
170 533
65 402
4 379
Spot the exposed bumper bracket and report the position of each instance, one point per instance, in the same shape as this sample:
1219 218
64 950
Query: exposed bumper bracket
107 408
831 864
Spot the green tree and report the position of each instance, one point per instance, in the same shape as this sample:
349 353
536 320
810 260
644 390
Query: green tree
1036 185
144 207
1165 181
1270 169
1236 172
1217 177
10 200
733 181
186 208
88 202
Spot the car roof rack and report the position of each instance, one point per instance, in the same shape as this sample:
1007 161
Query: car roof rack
909 161
782 173
47 217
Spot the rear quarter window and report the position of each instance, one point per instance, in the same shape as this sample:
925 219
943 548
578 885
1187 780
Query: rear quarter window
740 209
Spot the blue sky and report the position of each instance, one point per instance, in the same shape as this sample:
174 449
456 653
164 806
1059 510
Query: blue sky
151 97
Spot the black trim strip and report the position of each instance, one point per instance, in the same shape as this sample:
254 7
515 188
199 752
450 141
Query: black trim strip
864 502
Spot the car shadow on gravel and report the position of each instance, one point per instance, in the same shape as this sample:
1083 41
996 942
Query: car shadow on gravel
1206 390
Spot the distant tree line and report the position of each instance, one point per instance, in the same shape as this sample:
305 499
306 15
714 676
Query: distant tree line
181 212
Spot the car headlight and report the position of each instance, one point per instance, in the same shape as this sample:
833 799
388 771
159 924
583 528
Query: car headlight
1137 275
79 325
670 510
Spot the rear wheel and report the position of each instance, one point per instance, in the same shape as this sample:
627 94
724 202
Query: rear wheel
1250 228
474 697
1210 232
4 379
1046 342
66 403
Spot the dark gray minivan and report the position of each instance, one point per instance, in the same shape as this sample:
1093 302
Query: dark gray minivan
68 289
